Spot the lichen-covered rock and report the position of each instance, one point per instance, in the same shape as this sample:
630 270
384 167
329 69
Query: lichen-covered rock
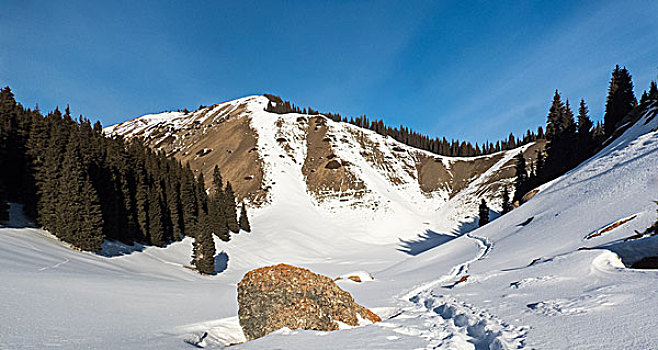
280 296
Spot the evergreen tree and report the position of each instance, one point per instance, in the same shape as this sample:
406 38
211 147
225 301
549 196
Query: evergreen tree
484 213
203 250
620 101
521 182
645 98
85 187
653 91
157 234
174 205
142 201
539 169
561 137
231 210
585 143
201 195
78 218
507 205
90 234
244 219
188 202
217 208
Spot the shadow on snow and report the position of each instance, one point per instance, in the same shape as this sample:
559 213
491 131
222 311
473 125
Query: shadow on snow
431 239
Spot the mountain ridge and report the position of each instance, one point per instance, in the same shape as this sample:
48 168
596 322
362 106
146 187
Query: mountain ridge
340 164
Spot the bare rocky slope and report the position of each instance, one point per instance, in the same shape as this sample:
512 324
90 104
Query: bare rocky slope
339 164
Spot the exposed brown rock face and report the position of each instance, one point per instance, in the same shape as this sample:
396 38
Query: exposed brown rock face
217 136
326 176
226 135
280 296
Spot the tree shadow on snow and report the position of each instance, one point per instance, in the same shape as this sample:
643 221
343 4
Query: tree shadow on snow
17 219
430 239
424 242
221 262
111 249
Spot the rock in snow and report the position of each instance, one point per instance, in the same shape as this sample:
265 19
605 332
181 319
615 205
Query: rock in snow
280 296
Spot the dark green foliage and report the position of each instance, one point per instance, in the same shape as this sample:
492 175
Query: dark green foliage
157 234
188 202
653 91
78 217
217 208
507 205
483 213
620 101
561 137
174 205
569 142
230 209
244 219
521 181
585 143
85 187
203 250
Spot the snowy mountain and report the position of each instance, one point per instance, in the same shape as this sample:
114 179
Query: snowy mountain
338 168
551 274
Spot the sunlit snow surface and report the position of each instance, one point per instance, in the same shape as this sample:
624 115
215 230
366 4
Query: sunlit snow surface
523 286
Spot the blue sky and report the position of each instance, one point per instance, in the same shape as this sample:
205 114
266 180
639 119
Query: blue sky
472 70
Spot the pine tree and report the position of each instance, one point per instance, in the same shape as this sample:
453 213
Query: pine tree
217 208
78 217
85 187
142 201
620 101
203 250
91 219
539 169
521 182
507 205
561 137
585 143
244 219
484 213
188 202
653 91
174 204
231 210
201 195
156 219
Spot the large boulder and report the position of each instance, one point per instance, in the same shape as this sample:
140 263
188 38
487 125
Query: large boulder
274 297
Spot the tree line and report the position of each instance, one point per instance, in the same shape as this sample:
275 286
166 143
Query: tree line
571 140
440 146
85 187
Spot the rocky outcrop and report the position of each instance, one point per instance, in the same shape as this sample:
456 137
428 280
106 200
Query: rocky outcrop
274 297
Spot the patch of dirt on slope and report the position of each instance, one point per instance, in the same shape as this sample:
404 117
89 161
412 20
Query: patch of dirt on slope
225 140
327 176
465 171
432 174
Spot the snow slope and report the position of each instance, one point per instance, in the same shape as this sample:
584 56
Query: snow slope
389 171
539 285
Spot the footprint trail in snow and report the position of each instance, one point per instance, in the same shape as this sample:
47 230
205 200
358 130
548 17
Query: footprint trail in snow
447 323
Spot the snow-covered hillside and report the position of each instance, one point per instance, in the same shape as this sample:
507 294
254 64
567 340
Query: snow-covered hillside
277 157
530 279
